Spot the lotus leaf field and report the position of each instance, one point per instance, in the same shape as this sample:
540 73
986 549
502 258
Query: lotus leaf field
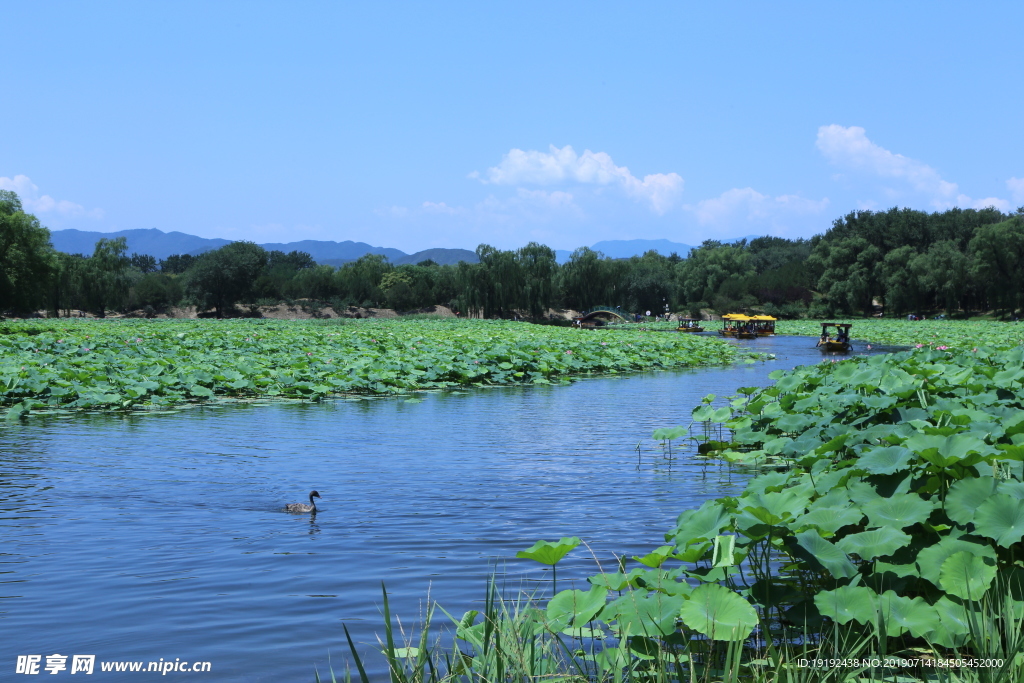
143 364
886 517
954 334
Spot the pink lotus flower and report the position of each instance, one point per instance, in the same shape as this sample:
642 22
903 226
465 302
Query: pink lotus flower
920 345
569 352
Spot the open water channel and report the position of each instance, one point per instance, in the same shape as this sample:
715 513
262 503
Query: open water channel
141 537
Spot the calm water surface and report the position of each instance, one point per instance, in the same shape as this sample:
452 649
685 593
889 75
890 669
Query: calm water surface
141 537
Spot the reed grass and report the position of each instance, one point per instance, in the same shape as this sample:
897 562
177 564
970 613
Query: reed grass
512 643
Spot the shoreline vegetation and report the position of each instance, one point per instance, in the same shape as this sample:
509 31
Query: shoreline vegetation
880 539
895 262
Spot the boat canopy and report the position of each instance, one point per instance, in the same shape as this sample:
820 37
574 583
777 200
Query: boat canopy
737 317
763 318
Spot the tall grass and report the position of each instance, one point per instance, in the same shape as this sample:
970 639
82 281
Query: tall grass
511 641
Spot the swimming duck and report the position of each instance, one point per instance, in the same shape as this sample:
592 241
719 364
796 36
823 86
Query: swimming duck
302 507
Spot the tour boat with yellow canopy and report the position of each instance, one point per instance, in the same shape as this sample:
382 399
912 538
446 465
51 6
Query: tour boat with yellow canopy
731 323
764 325
689 325
841 342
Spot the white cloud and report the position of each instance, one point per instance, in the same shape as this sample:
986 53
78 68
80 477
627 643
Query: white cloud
753 206
849 147
34 203
1016 186
966 202
441 207
533 167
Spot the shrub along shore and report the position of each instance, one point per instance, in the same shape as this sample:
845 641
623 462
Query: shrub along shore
881 539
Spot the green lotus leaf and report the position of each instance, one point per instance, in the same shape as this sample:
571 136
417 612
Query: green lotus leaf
693 553
826 554
721 415
965 496
719 613
794 423
1001 518
966 576
575 607
931 559
702 524
901 570
775 507
876 543
848 603
702 413
763 482
898 614
549 552
655 558
669 433
829 519
616 581
642 613
954 628
886 460
899 511
663 581
1011 488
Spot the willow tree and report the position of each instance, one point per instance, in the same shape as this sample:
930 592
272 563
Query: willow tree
27 259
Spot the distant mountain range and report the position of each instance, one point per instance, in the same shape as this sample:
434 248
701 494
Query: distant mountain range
161 244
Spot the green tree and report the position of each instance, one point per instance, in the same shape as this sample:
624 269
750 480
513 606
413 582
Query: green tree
27 259
583 280
106 281
177 263
709 266
359 281
997 255
144 263
539 270
397 288
943 273
649 283
850 273
225 276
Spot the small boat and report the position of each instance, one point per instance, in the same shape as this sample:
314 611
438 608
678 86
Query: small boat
764 325
689 325
731 323
841 342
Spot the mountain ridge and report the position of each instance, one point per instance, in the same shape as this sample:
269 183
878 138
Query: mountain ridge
160 245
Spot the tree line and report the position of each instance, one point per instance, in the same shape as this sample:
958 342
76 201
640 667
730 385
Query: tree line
901 260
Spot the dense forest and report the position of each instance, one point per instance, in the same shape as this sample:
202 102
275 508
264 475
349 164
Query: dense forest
898 261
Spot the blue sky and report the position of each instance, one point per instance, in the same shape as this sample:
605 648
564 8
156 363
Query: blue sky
452 124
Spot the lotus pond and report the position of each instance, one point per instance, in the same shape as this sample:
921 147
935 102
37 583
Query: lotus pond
885 524
142 364
136 535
